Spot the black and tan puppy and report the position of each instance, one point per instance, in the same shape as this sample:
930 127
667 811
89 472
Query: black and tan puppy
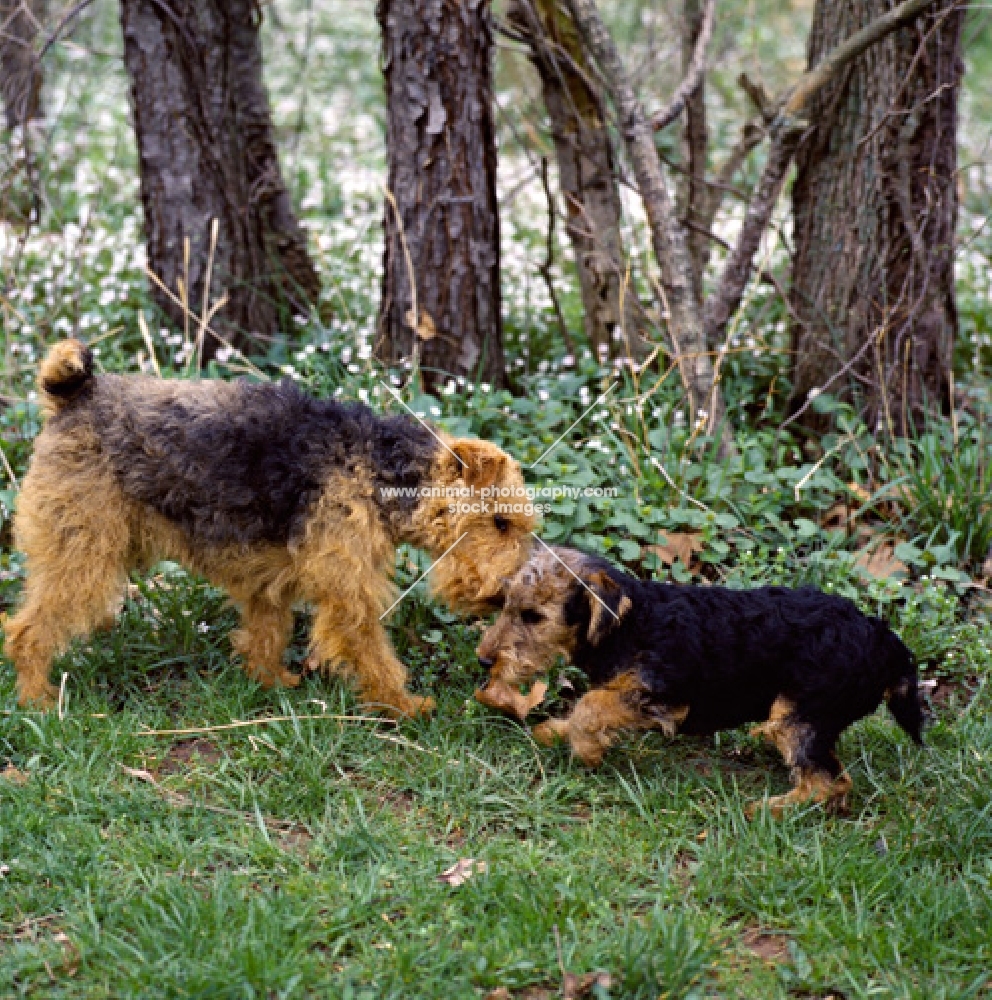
273 495
803 664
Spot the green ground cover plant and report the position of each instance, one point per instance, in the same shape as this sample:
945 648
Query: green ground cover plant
175 831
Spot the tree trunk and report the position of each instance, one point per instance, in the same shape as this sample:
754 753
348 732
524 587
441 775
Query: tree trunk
208 159
440 308
875 207
587 175
20 69
692 190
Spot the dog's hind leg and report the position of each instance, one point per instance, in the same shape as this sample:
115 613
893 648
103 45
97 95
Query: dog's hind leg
817 774
69 591
266 628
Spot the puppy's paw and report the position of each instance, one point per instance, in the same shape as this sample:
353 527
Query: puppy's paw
504 698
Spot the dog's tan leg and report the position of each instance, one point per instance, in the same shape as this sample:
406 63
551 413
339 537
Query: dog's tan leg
74 528
357 644
262 640
56 608
506 698
811 785
817 774
597 719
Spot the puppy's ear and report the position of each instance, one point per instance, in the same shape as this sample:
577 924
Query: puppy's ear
481 462
607 605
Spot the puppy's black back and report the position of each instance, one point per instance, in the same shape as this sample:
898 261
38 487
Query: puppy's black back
728 654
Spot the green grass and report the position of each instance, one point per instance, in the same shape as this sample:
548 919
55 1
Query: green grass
301 858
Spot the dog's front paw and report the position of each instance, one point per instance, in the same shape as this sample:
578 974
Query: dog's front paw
405 706
44 696
505 698
551 732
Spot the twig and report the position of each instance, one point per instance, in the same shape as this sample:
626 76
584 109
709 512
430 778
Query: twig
62 683
8 469
693 76
240 724
833 378
549 259
147 337
69 15
178 799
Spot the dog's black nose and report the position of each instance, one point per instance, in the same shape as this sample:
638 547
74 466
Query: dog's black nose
485 662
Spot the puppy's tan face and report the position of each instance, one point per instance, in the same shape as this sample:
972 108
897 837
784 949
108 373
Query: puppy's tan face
489 529
532 629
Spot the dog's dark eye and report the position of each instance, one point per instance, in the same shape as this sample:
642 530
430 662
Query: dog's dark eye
531 617
501 523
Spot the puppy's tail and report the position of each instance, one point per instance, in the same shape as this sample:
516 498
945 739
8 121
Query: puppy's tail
66 370
903 695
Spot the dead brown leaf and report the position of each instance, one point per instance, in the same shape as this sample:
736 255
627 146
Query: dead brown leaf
425 327
70 954
681 545
574 987
296 840
15 775
500 993
881 560
185 753
768 946
461 871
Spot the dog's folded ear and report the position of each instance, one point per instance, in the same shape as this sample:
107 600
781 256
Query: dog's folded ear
481 463
607 605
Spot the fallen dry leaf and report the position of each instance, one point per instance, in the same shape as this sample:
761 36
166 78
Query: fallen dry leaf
184 751
461 871
881 561
70 954
500 993
677 545
574 987
15 775
769 947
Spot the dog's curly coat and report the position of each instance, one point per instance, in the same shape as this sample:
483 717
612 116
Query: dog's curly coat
273 495
802 663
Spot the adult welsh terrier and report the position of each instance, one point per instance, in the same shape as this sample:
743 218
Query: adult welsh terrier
273 495
803 664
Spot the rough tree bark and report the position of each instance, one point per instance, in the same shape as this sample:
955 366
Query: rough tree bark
875 207
20 68
693 194
587 174
441 307
207 152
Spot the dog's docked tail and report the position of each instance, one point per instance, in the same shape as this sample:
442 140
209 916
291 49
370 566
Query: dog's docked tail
903 694
64 373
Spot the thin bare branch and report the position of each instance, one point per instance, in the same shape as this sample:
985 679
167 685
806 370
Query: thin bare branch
694 76
667 235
